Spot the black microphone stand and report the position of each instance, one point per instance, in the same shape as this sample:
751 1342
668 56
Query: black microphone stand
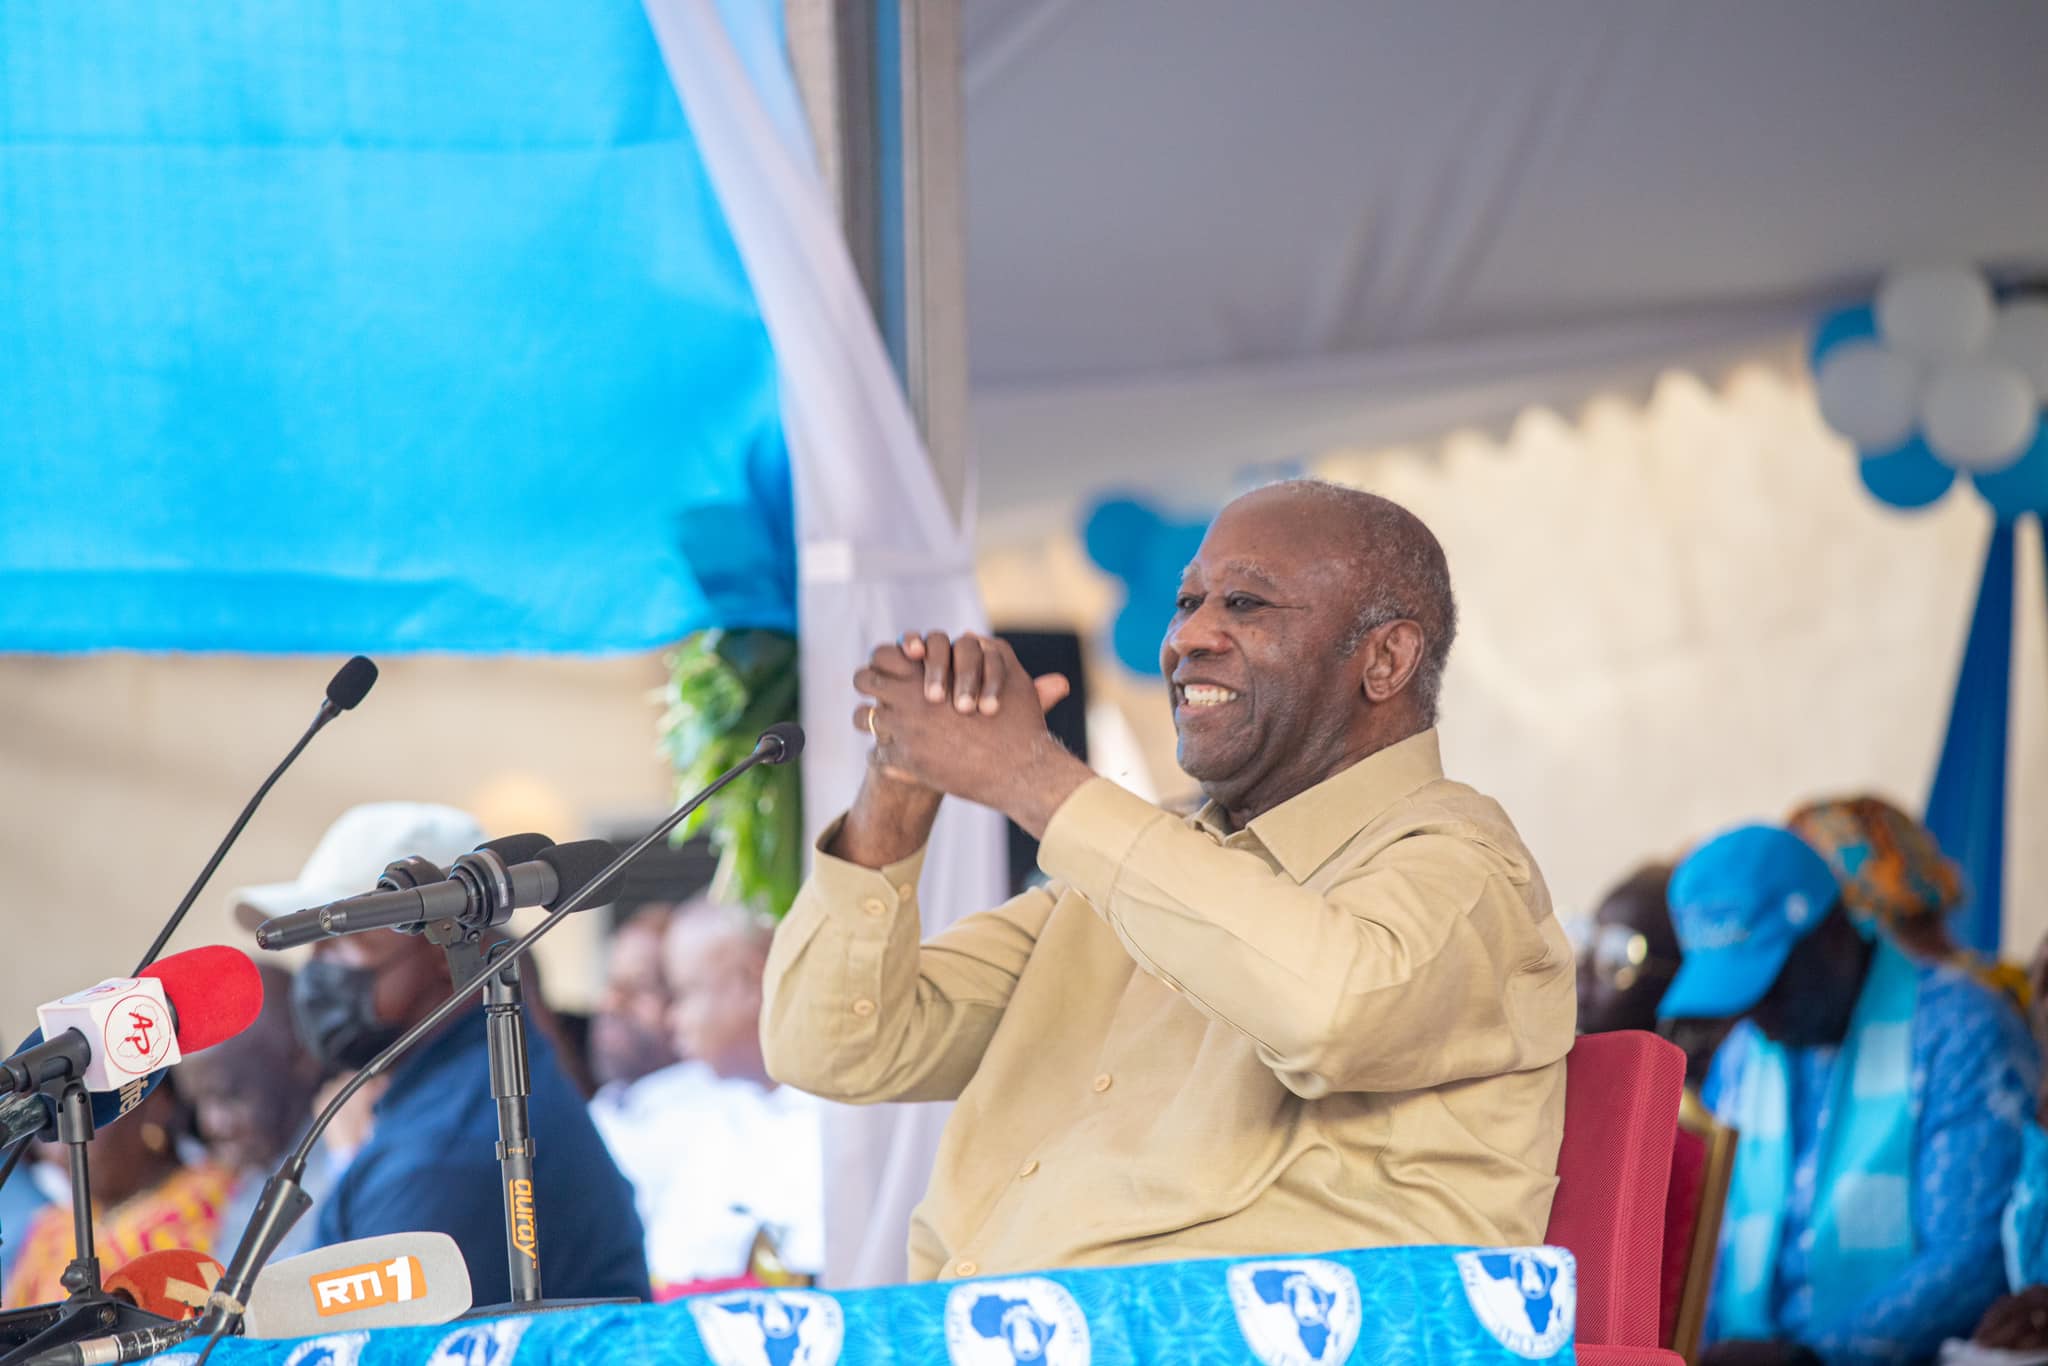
89 1310
284 1201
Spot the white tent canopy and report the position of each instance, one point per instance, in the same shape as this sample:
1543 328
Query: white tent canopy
1248 232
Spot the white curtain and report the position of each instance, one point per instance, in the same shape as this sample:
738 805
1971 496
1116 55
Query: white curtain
878 551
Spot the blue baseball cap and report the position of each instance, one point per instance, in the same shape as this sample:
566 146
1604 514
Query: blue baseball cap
1740 903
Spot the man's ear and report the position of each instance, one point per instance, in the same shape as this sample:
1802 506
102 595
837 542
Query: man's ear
1388 659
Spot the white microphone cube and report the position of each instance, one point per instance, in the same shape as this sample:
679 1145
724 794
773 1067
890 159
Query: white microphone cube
126 1022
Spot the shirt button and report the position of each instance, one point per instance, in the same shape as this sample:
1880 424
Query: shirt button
1028 1167
1102 1082
863 1007
965 1268
906 890
874 906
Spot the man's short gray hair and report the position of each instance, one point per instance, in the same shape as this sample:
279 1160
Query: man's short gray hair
1402 575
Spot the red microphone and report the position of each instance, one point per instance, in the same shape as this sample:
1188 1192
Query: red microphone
118 1035
171 1283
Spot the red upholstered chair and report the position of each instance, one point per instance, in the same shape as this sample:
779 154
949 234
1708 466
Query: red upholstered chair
1620 1116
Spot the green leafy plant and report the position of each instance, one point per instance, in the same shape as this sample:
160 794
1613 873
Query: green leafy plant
724 689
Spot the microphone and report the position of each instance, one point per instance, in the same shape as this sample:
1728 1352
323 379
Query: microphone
137 1344
171 1283
349 686
394 1281
25 1114
113 1036
284 1201
481 889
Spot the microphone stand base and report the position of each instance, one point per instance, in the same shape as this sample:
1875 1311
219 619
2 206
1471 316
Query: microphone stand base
500 1311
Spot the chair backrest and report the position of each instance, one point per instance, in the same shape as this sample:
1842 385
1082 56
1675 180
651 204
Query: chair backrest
1681 1219
1711 1145
1620 1116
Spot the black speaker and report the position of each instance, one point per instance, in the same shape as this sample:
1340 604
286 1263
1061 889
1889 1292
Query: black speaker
1049 652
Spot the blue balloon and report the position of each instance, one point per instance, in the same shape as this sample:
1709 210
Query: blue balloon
1910 477
2021 486
1135 543
1844 325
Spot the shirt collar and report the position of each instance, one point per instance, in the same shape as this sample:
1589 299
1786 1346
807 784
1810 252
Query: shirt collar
1303 831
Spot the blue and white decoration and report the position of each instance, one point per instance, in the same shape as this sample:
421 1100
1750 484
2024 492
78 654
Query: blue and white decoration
1296 1313
1017 1322
1395 1306
1938 378
770 1328
1528 1297
1145 549
491 1343
339 1349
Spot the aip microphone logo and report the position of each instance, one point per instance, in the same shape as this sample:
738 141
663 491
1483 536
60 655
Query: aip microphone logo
368 1287
137 1033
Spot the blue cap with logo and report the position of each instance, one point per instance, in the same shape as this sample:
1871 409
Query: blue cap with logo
1740 903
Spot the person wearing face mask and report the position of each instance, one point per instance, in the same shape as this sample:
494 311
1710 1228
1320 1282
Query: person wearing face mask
1880 1102
428 1160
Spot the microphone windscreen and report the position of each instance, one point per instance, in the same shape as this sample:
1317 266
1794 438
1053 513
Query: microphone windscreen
171 1283
394 1281
576 863
792 737
351 683
107 1106
215 991
518 848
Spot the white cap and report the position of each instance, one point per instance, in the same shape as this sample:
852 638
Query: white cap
355 850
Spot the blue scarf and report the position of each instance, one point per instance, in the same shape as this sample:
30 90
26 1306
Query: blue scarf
1861 1221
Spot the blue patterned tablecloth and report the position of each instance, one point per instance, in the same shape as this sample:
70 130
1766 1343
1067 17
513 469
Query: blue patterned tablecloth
1462 1307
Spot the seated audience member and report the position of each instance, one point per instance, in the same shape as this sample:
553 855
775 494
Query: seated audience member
253 1098
145 1199
1628 954
1331 1010
648 1099
430 1161
1894 875
1879 1103
745 1158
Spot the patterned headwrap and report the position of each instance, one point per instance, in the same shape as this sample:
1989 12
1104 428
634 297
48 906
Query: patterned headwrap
1890 866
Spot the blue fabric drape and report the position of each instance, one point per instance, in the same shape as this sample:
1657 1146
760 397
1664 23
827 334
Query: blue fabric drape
380 326
1966 810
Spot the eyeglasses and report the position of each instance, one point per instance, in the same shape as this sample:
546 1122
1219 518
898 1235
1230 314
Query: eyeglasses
1618 955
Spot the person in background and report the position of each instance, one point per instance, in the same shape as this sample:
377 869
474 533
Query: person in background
252 1096
629 1034
651 1098
430 1161
20 1201
1893 875
1628 954
1879 1103
145 1199
746 1160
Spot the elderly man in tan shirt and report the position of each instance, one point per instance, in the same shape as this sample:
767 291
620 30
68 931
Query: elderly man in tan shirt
1328 1011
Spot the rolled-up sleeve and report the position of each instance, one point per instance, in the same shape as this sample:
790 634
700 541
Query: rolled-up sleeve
1413 969
856 1009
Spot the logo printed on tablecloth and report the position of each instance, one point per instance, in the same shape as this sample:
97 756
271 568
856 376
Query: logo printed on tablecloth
1026 1319
1527 1297
770 1327
1296 1313
481 1344
340 1349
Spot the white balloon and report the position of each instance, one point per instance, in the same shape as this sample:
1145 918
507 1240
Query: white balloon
1979 414
1936 314
2019 337
1869 394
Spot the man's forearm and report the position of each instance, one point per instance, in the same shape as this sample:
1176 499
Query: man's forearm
890 820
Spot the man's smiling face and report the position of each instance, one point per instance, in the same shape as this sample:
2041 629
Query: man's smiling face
1265 694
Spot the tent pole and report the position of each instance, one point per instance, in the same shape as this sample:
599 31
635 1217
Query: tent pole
880 81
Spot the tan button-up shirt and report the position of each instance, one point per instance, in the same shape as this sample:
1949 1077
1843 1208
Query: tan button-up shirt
1340 1027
